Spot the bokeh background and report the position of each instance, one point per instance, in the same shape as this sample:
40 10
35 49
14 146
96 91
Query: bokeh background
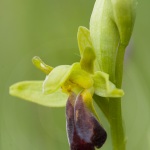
48 28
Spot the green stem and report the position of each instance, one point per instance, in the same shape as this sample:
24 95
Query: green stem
115 112
103 104
119 65
116 124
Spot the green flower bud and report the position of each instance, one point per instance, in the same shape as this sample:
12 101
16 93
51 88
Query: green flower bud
111 26
124 17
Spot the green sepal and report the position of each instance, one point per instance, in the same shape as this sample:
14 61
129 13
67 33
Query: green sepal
56 78
32 91
87 60
103 87
41 65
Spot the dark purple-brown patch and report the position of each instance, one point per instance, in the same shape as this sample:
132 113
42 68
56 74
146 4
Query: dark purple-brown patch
84 131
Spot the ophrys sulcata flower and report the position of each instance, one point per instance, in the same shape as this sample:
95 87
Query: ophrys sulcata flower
74 86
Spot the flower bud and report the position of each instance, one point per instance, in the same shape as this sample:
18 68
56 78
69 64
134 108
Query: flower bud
124 17
111 25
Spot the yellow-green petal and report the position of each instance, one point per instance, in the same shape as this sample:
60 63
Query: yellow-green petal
103 87
32 91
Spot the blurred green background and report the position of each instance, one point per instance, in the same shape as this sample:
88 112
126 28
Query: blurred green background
48 28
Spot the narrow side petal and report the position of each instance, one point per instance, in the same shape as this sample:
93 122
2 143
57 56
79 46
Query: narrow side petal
37 61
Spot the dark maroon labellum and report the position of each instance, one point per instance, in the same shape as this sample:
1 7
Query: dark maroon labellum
84 131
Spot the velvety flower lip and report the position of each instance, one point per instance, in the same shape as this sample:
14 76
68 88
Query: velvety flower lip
84 130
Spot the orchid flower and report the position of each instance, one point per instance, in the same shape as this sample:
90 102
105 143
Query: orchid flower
73 86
